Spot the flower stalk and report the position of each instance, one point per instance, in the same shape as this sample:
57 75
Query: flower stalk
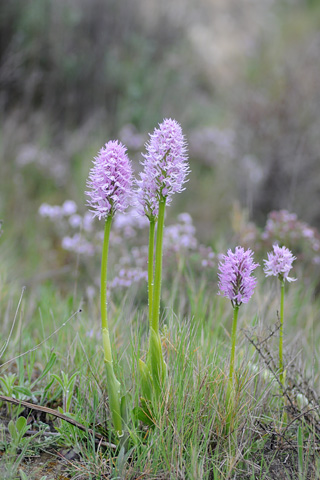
158 268
233 343
150 265
281 332
155 354
104 267
279 264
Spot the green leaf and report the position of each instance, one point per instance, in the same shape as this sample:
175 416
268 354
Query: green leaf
46 388
157 364
123 407
20 370
114 397
58 379
5 388
23 476
72 380
300 450
24 390
69 389
145 379
47 368
21 425
13 431
144 413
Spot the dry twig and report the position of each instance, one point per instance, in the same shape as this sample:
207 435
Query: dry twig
100 438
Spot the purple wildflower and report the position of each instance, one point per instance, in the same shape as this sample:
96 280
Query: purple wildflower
165 167
69 207
235 280
279 263
110 180
51 211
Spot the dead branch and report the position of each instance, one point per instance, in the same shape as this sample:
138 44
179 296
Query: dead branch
50 411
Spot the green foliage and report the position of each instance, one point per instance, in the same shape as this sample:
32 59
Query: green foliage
120 464
300 452
17 446
25 477
17 431
67 385
146 380
185 429
22 386
70 436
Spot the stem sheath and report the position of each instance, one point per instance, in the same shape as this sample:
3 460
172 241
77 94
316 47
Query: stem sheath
233 343
104 267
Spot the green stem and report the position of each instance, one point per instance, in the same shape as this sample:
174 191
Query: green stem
150 267
158 268
156 362
113 384
281 331
233 343
104 267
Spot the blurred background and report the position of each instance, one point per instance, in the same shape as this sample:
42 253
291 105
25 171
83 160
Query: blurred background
241 76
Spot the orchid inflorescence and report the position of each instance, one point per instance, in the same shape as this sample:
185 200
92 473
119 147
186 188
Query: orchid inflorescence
165 168
110 181
235 279
279 263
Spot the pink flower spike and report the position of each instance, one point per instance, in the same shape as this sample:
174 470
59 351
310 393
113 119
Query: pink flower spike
279 263
110 181
235 279
165 167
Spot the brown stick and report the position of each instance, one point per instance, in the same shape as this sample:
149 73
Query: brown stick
77 424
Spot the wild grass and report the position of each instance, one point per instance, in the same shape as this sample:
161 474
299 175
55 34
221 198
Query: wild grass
192 433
